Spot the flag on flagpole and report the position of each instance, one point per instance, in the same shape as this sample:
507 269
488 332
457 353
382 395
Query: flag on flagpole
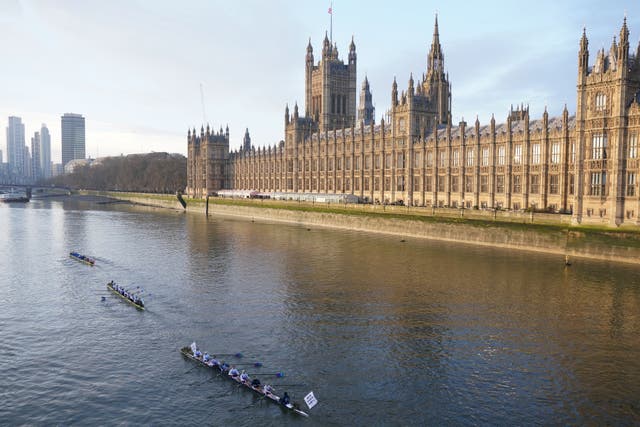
330 11
310 400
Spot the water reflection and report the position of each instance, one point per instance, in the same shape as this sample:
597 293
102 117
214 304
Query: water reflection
383 331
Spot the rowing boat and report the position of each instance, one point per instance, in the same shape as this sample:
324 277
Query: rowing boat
188 353
14 197
139 304
82 258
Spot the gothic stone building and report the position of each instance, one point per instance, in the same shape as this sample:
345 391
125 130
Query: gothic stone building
585 164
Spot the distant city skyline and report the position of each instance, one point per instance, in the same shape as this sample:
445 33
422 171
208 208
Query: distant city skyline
136 76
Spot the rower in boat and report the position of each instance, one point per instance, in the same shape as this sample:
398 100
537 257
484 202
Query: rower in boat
285 399
213 362
244 377
205 358
198 354
224 367
268 390
233 372
255 383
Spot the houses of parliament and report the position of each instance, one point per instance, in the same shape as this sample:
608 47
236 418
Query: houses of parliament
585 164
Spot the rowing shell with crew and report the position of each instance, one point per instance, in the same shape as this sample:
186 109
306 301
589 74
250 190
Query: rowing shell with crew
130 297
231 372
82 258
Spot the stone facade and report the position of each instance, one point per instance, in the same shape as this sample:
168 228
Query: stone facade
585 164
207 162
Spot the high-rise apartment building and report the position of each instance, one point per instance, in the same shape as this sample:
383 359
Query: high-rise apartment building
45 152
36 169
73 137
27 170
15 146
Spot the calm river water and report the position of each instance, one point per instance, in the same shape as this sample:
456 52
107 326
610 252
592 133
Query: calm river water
384 332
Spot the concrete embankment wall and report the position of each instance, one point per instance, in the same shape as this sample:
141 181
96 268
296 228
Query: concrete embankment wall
611 245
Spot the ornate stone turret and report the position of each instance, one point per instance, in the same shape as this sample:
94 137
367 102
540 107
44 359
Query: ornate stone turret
246 141
583 54
352 52
410 90
326 47
366 112
623 53
309 53
394 93
308 79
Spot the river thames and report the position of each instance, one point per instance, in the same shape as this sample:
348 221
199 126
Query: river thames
383 331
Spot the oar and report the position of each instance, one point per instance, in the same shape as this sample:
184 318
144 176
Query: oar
191 369
277 374
255 364
238 355
206 381
288 385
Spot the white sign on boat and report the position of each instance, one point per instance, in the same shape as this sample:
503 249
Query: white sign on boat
310 400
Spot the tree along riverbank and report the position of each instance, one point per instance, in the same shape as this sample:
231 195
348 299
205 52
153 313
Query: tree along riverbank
546 233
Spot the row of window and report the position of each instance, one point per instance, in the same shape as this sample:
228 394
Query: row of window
468 182
598 185
598 152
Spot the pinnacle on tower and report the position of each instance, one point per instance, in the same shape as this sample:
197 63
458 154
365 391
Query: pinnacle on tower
624 31
246 141
436 58
584 42
366 111
394 92
352 51
583 55
410 90
436 33
326 45
309 53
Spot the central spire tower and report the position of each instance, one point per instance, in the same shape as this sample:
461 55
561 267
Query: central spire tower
436 82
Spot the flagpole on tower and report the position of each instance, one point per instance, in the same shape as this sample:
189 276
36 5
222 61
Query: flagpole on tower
331 23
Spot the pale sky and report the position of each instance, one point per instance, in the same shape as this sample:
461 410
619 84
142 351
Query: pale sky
134 68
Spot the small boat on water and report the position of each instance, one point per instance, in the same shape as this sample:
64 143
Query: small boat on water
130 297
82 258
194 354
14 197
